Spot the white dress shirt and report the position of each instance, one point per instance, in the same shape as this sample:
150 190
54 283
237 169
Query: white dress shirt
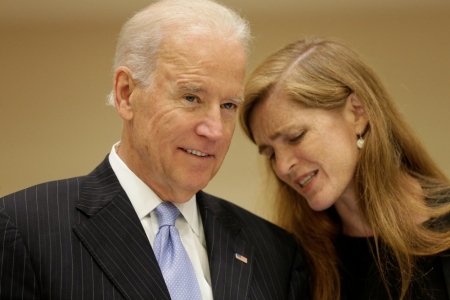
189 224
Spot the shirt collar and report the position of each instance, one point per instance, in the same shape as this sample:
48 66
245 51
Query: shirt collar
142 197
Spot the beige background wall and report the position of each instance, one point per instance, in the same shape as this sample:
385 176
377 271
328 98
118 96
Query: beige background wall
55 73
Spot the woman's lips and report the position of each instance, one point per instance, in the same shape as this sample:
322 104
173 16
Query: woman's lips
307 179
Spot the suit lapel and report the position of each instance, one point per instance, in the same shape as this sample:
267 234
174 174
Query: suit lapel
230 277
114 236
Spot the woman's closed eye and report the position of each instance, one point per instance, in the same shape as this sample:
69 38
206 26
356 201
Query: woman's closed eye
296 138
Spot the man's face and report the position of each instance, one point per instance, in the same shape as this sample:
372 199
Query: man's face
181 129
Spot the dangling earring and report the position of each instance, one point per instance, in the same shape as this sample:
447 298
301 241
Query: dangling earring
360 142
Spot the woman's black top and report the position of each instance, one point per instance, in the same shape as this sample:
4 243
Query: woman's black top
361 279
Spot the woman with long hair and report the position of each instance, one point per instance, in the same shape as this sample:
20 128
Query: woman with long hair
354 183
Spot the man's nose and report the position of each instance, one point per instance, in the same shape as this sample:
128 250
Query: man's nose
211 125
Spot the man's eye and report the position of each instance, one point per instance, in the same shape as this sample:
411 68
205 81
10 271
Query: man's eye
228 105
190 98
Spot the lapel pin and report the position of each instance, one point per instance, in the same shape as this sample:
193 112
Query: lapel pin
241 257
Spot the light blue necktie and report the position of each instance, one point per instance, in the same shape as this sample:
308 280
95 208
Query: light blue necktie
173 259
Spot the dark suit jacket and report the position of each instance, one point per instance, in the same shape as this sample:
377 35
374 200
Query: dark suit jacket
80 238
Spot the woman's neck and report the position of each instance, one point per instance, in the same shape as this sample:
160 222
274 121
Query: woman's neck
354 224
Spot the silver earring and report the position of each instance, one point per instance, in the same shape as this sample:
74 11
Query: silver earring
360 142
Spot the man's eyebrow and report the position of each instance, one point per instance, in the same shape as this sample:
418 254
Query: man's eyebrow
190 88
196 89
238 100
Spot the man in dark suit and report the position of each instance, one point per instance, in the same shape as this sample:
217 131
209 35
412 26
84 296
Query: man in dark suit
178 82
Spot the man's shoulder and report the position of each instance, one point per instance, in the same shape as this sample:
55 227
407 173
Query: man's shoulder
65 187
48 189
41 203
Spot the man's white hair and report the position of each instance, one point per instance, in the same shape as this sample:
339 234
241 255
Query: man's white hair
142 34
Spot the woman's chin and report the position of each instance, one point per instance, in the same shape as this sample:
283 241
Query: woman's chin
318 205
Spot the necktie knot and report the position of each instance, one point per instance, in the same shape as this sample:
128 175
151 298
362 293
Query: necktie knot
167 214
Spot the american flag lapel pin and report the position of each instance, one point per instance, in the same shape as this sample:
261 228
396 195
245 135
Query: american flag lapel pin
240 257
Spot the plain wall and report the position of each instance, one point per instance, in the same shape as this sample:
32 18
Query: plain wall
55 77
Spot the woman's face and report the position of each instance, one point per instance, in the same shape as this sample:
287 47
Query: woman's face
312 150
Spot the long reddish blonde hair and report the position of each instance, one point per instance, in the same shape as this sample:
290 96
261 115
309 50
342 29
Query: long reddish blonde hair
322 72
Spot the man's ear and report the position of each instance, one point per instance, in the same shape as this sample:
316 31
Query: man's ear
356 113
123 89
